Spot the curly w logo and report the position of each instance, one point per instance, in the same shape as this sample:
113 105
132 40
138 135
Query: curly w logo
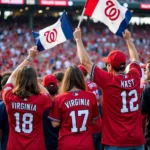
51 36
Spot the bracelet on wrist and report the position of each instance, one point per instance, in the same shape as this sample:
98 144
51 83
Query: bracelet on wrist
28 59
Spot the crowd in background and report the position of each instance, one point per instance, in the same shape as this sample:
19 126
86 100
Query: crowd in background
15 40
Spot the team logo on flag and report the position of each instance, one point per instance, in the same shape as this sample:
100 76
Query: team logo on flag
51 36
111 11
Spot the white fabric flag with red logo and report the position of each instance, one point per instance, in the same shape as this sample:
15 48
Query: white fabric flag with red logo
53 35
109 12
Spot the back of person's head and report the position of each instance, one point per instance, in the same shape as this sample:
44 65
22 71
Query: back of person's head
51 84
26 82
84 71
59 76
117 60
4 80
73 78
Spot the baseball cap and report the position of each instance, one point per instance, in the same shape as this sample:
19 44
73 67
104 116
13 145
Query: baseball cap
49 79
82 68
116 58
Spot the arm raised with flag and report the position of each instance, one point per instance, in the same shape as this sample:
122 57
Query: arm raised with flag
84 57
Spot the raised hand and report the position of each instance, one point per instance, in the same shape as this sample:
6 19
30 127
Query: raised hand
126 35
77 34
33 52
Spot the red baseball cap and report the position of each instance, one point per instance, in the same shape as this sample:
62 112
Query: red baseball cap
82 68
50 79
116 58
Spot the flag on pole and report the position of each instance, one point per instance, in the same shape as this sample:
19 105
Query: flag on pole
109 12
53 35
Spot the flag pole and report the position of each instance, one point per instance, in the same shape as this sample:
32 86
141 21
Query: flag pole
81 18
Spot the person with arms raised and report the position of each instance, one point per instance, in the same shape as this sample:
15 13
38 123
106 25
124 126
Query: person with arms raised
122 126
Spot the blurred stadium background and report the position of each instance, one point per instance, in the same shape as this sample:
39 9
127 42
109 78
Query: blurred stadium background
19 17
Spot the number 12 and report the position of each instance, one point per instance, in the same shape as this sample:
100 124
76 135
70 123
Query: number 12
132 108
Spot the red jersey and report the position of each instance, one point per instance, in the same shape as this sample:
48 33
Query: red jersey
25 120
92 87
122 124
75 111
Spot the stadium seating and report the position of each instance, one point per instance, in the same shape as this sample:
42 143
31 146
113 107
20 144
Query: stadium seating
15 40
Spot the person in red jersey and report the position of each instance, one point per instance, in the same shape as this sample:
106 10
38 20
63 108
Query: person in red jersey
97 128
74 110
122 124
26 101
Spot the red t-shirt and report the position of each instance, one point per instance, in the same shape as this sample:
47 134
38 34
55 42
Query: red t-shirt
25 119
122 125
75 111
92 87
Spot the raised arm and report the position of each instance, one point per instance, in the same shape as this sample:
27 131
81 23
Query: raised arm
32 53
132 50
82 53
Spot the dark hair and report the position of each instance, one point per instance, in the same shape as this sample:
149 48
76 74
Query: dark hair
73 77
59 76
122 68
4 80
105 68
53 90
26 82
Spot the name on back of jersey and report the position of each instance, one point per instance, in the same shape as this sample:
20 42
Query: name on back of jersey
77 102
23 106
127 83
